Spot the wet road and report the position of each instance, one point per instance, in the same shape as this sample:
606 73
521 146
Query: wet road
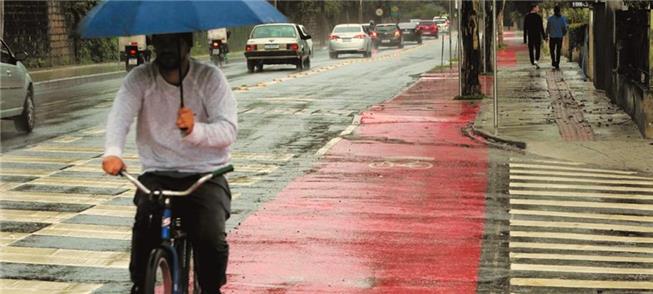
65 221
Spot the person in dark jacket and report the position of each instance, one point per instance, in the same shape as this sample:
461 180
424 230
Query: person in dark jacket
556 27
534 34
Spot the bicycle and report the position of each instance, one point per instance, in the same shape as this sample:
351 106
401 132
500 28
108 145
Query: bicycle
169 269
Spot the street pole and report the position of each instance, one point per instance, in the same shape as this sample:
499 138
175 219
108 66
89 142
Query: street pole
450 33
483 36
360 11
275 3
495 77
460 45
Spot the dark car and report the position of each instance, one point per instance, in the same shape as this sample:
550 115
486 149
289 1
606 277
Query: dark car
389 35
373 34
410 32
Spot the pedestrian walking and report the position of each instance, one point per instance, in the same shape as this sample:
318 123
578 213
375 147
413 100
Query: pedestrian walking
556 29
534 34
177 145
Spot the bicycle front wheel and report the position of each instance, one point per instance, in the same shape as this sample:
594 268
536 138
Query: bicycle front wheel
158 276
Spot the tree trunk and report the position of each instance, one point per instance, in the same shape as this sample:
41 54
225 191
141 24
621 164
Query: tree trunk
501 4
488 38
471 48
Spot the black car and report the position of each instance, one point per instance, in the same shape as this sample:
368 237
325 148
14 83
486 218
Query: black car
410 32
389 34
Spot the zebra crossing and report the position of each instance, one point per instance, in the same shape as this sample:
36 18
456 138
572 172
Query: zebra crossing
575 228
65 227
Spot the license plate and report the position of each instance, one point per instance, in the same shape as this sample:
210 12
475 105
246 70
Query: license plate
346 39
132 61
215 51
385 41
406 32
272 46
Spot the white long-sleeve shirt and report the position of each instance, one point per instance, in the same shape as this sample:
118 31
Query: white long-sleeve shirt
162 146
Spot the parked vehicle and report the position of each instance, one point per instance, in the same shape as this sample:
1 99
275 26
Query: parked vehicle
371 31
279 43
16 89
349 39
428 28
410 32
134 50
389 34
442 23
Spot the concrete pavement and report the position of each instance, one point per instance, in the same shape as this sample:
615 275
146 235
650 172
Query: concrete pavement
559 114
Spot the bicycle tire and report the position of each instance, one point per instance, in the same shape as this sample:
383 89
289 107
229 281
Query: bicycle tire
158 275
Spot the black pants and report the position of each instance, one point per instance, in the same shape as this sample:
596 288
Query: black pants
203 214
555 46
534 51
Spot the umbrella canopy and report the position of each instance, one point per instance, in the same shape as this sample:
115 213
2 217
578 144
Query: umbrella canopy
125 18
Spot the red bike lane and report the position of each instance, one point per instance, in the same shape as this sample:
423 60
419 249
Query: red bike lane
395 207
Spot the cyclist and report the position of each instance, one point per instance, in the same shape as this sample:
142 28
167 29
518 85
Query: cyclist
173 159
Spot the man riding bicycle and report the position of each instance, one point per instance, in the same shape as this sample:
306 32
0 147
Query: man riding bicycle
177 145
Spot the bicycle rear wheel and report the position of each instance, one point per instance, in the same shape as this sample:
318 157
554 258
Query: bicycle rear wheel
158 276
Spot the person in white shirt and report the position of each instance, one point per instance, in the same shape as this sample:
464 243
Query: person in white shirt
176 145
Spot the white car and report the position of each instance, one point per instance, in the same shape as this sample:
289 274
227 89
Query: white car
348 39
16 89
442 23
278 43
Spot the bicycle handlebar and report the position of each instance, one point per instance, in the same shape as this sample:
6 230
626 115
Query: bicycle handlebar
218 172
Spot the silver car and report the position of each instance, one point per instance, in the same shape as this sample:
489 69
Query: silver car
349 39
16 89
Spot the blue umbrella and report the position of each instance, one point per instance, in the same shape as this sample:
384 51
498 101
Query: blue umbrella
125 18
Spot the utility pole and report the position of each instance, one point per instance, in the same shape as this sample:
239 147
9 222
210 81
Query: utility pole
460 56
494 86
450 20
275 3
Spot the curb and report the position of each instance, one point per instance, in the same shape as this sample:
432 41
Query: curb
73 81
504 140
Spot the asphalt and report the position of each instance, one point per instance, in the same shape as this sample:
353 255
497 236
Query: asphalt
559 114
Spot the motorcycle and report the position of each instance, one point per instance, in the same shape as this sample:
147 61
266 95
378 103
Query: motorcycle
133 58
218 52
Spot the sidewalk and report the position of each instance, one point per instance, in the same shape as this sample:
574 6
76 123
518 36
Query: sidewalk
395 206
559 114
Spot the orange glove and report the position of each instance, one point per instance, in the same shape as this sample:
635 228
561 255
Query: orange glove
113 165
186 120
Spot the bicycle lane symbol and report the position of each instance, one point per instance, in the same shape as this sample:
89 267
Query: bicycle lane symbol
413 164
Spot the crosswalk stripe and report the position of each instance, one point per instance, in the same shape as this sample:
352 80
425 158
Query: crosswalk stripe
555 167
569 283
581 187
87 231
77 182
36 216
601 216
36 159
7 238
112 210
584 237
25 172
579 247
579 194
575 225
584 204
630 259
580 269
580 180
13 286
57 256
517 160
46 197
574 174
67 149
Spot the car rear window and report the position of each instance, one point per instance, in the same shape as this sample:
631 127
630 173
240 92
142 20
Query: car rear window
386 28
407 25
348 29
274 31
426 23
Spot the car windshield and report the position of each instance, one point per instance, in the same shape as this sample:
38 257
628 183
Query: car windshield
274 31
407 25
426 23
386 28
347 29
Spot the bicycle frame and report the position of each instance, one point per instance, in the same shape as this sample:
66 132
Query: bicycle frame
171 227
